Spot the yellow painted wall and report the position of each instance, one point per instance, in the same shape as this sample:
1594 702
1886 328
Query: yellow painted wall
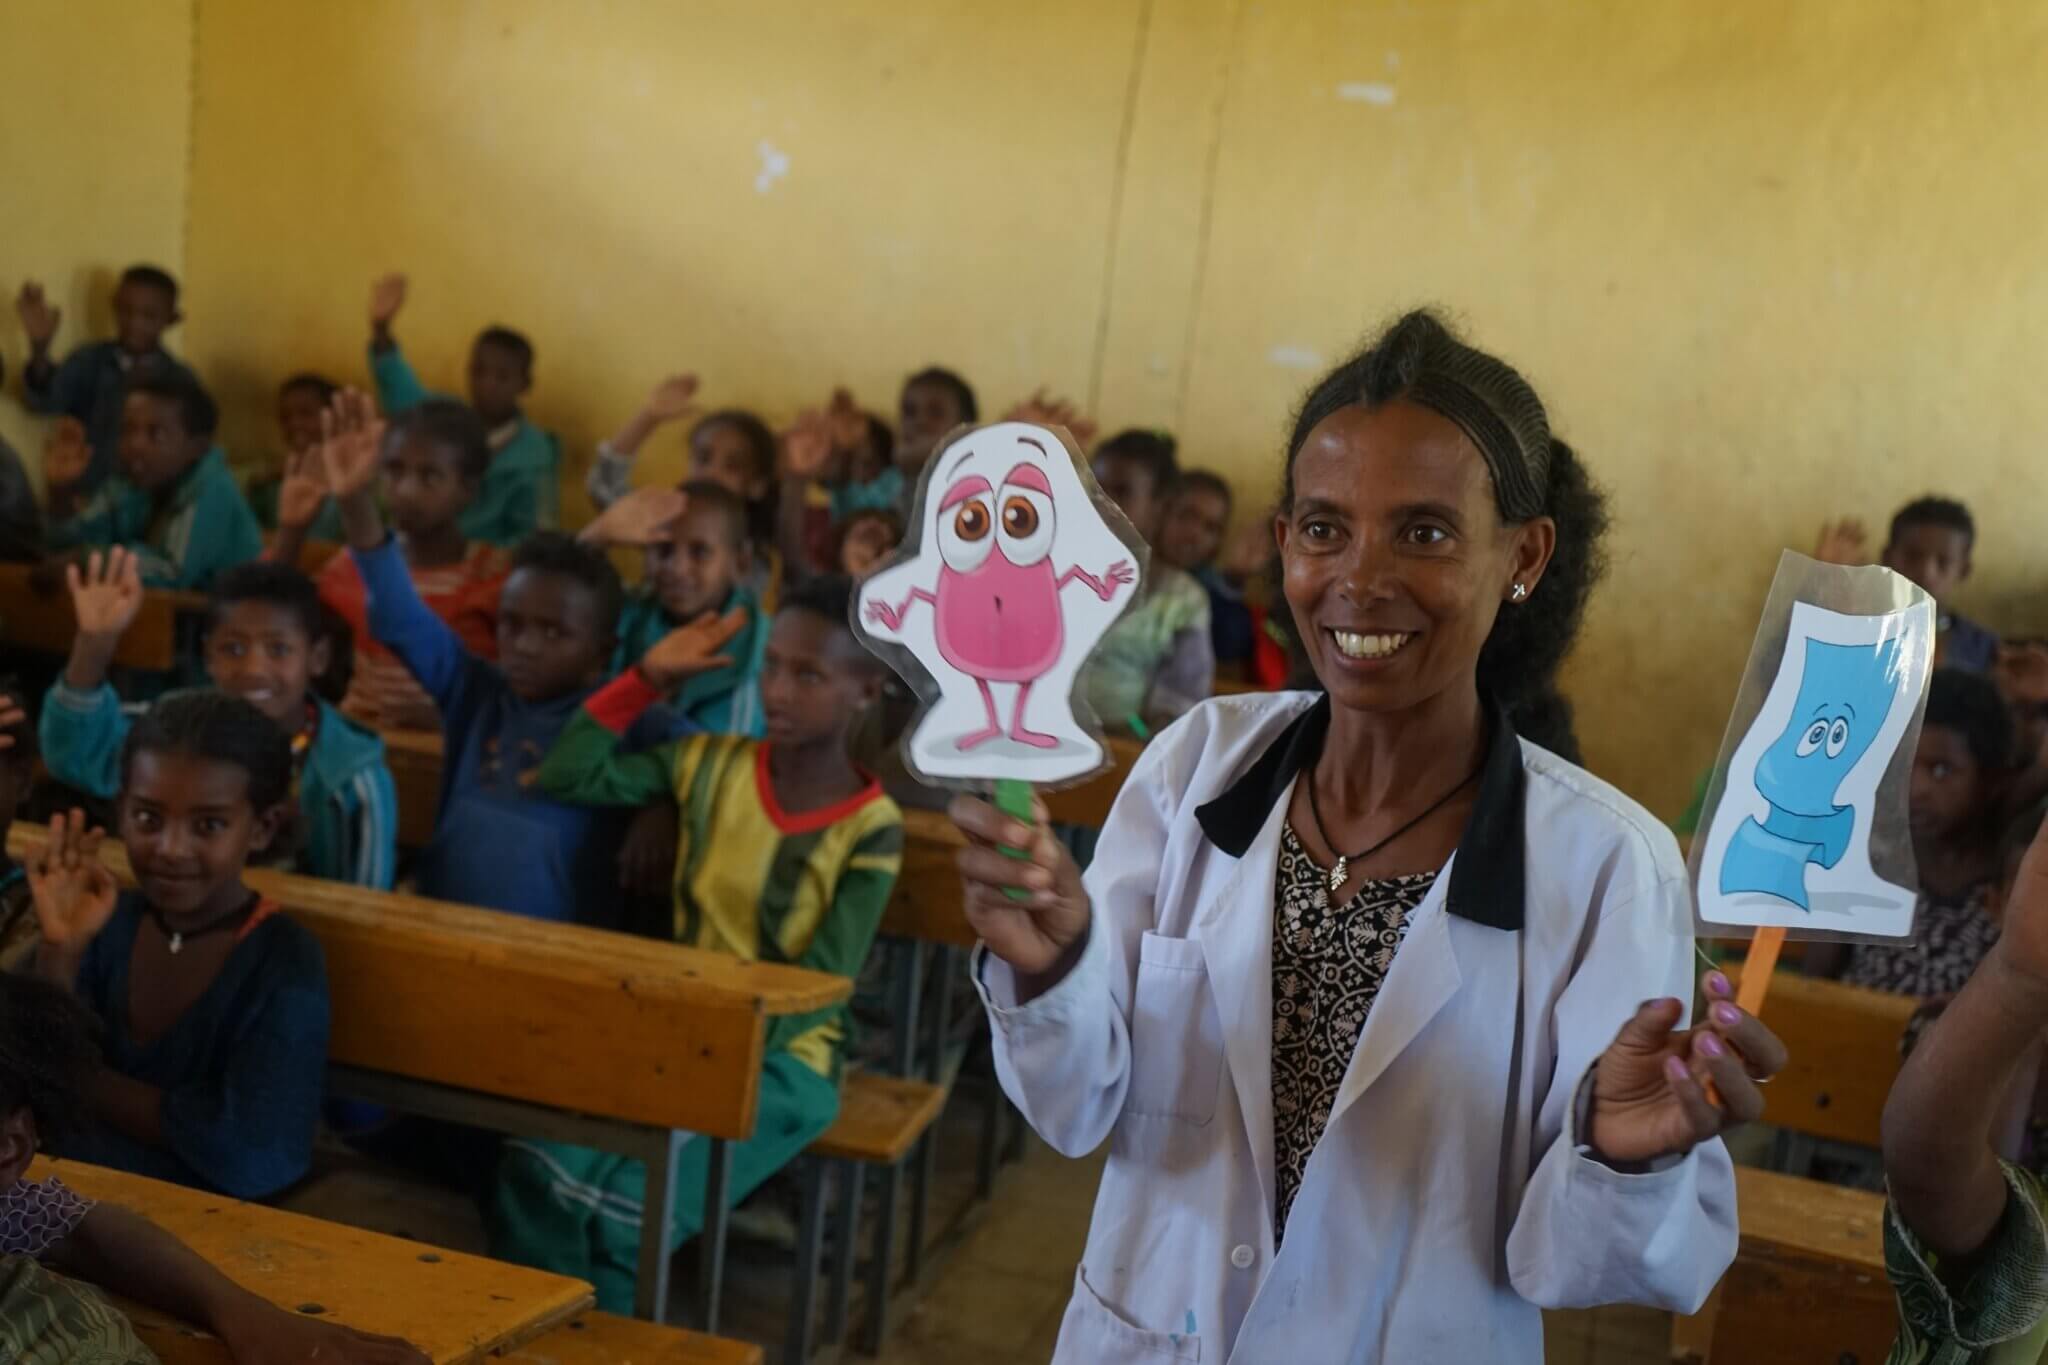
1767 263
94 146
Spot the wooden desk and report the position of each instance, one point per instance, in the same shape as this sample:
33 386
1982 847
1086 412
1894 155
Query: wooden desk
1808 1283
414 757
45 623
926 902
540 1029
1844 1046
454 1307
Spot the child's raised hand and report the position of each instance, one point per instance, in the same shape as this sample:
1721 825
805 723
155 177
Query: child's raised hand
107 593
303 491
1049 410
387 296
66 453
350 433
72 889
691 649
673 398
38 318
645 516
848 424
807 445
1842 542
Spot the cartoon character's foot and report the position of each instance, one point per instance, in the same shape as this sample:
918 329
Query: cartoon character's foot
1034 739
978 738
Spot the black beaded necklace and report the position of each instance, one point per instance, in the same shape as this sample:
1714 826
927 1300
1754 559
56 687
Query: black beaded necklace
1342 871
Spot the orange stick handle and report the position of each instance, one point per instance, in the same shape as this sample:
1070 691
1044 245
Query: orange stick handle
1757 968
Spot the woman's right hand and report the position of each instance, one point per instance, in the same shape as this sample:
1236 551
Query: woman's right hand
1037 932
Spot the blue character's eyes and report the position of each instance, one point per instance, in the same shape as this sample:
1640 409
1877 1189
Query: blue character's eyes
1838 735
1816 734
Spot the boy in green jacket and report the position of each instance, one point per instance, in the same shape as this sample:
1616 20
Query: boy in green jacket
787 853
521 491
173 502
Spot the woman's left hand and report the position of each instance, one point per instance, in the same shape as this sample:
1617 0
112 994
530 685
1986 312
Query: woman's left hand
1650 1086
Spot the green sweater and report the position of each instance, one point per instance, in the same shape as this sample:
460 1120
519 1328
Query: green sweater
184 535
521 492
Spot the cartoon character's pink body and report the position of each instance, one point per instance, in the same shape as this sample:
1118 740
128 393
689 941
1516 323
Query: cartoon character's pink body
998 616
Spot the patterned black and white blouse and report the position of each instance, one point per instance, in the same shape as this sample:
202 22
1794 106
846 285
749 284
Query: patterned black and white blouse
1328 962
1950 939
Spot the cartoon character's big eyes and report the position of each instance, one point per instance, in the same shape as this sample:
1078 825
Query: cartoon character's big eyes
964 533
1838 737
1815 735
1027 524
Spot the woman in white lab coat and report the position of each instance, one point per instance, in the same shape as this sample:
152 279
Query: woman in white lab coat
1380 1006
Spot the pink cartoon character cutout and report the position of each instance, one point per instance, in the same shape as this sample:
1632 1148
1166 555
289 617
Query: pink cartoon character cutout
1022 565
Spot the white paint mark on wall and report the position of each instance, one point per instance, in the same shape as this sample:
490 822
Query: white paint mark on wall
1379 94
1295 358
774 165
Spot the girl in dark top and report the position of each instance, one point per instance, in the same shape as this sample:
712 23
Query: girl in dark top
214 1006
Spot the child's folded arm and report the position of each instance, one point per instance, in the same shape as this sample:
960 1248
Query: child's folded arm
844 935
587 765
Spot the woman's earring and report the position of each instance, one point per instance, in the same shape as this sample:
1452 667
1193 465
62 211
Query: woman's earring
1521 591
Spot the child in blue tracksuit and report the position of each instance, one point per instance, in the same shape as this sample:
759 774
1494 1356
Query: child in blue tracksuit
264 644
90 384
497 843
173 501
521 491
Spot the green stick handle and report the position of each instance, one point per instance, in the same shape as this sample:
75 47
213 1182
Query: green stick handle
1013 798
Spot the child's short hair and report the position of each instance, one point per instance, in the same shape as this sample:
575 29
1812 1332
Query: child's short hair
318 385
279 585
557 552
451 425
209 723
1946 513
1971 706
730 507
962 391
505 339
1153 451
152 277
197 411
22 752
830 596
49 1045
1205 481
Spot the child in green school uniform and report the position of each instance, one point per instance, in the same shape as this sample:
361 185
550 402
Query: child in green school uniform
521 491
788 852
697 563
173 502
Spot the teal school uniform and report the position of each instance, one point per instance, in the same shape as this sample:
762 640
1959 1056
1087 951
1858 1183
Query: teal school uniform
724 702
183 536
348 807
521 491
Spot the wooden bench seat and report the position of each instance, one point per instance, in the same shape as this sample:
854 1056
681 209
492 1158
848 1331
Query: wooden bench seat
880 1119
602 1339
1808 1283
1844 1055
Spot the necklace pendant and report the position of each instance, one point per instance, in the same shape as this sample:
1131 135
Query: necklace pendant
177 943
1338 874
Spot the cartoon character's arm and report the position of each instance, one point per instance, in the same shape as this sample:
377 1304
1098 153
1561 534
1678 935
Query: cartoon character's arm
891 618
1118 575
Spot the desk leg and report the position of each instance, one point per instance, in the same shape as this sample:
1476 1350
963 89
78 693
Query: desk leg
650 1289
711 1250
847 1248
909 986
926 1157
810 1238
991 1131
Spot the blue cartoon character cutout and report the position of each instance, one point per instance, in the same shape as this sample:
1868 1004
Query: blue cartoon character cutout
1846 692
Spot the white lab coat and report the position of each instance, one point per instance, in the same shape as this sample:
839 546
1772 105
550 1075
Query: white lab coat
1447 1200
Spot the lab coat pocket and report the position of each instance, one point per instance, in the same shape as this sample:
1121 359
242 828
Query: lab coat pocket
1094 1332
1176 1036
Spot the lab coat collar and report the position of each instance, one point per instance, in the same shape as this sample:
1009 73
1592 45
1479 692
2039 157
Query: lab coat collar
1488 873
